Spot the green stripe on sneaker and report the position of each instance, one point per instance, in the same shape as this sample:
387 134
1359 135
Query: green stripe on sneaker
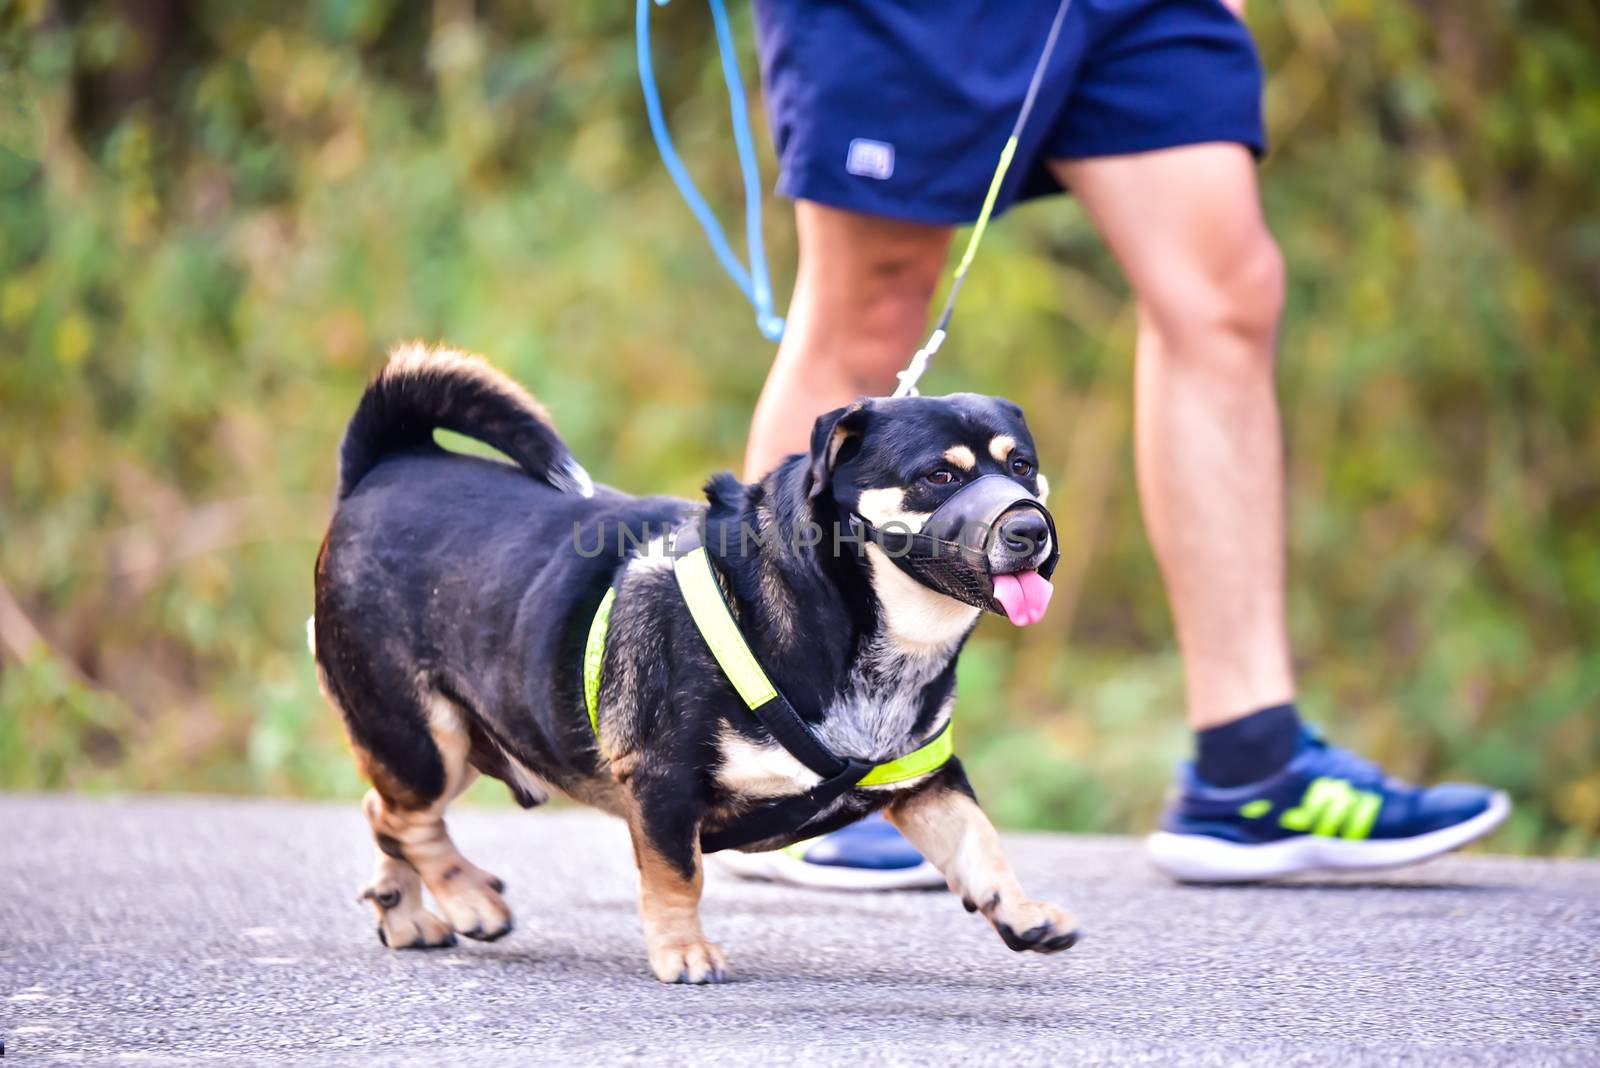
1359 823
1330 804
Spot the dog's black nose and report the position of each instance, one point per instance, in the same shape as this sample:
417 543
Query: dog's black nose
1024 532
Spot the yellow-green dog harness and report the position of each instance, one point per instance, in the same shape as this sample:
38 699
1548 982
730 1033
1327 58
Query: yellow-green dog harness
720 631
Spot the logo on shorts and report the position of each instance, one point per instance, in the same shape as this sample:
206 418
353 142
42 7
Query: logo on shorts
870 159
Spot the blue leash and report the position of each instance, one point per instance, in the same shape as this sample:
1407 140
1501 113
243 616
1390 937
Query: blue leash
754 283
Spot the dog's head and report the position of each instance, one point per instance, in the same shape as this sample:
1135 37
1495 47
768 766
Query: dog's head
899 464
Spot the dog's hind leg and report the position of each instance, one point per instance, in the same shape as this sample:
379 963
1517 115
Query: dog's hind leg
396 892
389 735
415 752
417 850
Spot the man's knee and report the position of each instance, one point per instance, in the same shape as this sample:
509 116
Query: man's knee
1226 307
895 257
884 306
1253 291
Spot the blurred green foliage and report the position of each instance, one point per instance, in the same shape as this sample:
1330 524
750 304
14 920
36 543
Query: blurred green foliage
216 214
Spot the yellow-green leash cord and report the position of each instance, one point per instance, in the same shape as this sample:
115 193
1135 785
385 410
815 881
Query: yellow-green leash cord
919 362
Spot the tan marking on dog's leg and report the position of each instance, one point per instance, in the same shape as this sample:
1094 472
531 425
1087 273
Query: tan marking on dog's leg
470 897
951 830
1000 446
961 456
396 892
669 910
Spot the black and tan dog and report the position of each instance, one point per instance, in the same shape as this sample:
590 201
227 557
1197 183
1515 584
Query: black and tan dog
454 597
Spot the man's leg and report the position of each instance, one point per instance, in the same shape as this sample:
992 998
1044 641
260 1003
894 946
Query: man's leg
1263 797
1186 225
860 306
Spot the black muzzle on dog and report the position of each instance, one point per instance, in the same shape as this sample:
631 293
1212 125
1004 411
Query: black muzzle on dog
950 554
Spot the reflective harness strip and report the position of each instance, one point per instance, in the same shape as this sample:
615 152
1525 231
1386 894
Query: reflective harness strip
930 757
714 620
717 626
594 652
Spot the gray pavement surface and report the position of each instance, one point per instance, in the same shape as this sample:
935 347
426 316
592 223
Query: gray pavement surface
192 930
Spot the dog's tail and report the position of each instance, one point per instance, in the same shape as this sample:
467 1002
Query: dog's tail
423 389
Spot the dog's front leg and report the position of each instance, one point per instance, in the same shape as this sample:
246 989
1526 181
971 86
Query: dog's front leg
666 846
943 820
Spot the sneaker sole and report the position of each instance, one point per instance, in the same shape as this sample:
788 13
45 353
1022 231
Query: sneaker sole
1198 858
781 868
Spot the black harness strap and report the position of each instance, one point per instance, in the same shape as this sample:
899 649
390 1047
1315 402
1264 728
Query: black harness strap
788 815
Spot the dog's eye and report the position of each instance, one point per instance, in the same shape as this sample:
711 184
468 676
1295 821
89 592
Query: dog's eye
1021 467
941 476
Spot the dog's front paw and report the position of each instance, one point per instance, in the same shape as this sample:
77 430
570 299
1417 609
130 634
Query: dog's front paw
471 897
1035 925
688 962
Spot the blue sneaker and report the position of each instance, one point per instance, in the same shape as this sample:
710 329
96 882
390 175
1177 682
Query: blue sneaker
868 855
1327 810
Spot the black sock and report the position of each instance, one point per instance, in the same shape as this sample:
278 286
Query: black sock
1249 749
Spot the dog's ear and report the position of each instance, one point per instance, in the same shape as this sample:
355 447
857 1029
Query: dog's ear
828 436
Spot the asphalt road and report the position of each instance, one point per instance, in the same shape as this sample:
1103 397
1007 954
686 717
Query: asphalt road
189 930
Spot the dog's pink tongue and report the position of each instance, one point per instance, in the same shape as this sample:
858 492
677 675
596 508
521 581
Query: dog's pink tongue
1024 596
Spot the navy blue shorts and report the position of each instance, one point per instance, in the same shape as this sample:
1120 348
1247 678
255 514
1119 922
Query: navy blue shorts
901 107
